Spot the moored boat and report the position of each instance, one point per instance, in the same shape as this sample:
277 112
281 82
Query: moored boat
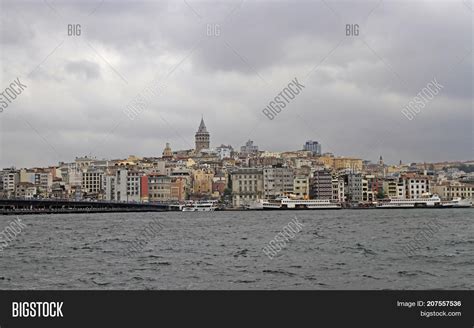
200 206
285 203
422 202
457 202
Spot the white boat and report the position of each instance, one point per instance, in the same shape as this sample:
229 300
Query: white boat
424 201
285 203
200 206
255 205
457 202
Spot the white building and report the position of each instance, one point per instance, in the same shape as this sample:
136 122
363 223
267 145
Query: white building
416 186
123 186
10 178
338 190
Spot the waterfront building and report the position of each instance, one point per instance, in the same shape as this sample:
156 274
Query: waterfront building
58 190
159 188
321 185
92 182
25 190
41 178
452 189
247 186
277 180
354 187
401 189
390 188
202 182
301 187
367 194
124 186
178 188
338 190
110 185
416 185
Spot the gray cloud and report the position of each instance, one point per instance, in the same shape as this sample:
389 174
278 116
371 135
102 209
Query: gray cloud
83 69
80 85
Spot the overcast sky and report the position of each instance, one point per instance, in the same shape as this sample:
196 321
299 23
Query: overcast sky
355 86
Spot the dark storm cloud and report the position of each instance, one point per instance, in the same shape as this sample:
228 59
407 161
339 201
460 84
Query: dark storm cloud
355 89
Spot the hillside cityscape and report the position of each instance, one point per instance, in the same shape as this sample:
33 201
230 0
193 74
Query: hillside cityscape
236 178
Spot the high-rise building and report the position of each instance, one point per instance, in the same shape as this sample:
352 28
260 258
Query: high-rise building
202 137
312 146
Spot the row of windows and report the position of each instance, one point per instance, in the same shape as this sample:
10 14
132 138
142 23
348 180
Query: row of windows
458 189
247 189
247 176
160 195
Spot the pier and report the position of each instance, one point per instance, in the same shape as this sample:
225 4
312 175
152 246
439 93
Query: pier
51 206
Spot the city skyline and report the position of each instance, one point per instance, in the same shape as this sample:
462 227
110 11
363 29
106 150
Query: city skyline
205 60
202 141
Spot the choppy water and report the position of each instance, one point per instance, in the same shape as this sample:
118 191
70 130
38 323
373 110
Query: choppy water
346 249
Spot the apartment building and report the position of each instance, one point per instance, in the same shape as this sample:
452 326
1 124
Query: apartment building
247 186
277 181
321 185
159 188
301 187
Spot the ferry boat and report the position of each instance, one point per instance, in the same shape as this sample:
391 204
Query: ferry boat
424 201
200 206
285 203
457 202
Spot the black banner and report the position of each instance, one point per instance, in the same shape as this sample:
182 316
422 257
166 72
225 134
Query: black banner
245 308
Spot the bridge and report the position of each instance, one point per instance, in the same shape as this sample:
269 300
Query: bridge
50 206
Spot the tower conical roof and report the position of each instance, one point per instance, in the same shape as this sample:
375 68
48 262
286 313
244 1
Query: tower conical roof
202 127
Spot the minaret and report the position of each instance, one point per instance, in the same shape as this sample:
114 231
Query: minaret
202 137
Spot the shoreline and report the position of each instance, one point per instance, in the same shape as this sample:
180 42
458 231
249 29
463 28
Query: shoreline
148 210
